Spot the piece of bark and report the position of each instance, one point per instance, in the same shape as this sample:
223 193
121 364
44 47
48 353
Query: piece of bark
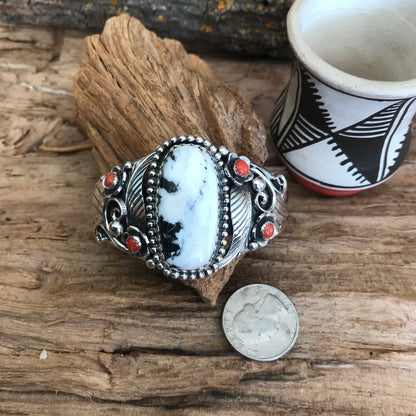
254 27
134 90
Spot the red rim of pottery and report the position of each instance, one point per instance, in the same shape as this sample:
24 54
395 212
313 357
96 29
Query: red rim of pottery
321 189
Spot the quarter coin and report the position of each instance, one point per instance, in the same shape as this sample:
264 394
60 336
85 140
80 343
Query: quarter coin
260 322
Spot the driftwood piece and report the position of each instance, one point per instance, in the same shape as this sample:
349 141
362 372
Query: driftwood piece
134 90
254 27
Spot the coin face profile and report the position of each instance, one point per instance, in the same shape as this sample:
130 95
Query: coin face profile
260 322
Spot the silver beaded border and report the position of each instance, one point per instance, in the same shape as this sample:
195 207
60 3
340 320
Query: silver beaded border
155 248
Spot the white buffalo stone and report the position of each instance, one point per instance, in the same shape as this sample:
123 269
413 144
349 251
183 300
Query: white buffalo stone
188 207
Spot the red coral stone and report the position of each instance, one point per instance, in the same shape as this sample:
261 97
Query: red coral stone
133 245
268 230
110 180
241 168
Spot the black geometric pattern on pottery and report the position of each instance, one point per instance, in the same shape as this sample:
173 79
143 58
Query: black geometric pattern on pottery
371 134
313 124
312 121
310 107
366 161
275 124
405 145
278 112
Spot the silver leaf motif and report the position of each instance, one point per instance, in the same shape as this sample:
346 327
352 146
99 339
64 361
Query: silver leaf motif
241 219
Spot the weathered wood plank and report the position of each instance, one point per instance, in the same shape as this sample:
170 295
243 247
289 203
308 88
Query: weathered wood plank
121 339
251 27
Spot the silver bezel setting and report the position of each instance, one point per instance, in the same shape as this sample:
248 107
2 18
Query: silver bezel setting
152 217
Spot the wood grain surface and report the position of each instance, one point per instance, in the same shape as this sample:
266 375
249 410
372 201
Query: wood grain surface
245 27
87 330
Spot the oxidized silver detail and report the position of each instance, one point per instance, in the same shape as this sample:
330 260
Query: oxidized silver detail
129 208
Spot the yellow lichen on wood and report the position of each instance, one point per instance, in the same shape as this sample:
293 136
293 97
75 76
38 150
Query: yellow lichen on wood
222 4
206 28
90 4
160 17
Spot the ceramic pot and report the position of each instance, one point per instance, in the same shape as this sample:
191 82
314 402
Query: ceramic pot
342 124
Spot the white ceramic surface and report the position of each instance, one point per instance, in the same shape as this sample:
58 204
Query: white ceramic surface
358 46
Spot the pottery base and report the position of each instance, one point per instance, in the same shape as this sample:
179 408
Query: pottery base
320 189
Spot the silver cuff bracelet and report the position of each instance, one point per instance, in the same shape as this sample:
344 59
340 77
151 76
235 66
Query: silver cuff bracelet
190 208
